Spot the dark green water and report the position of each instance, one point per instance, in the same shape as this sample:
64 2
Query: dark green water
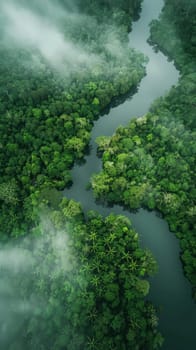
169 288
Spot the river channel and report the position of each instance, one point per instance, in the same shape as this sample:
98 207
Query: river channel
170 290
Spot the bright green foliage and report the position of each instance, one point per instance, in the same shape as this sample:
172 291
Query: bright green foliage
87 284
154 157
82 282
157 174
46 117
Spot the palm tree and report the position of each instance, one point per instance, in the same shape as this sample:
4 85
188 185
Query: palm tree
92 343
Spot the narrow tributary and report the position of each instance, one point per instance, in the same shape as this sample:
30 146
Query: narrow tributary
169 288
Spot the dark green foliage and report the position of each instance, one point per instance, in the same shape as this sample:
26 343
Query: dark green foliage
175 33
87 281
46 116
78 284
151 162
112 11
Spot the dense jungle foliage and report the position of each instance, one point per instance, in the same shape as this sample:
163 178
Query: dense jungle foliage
71 283
83 284
46 116
112 10
151 162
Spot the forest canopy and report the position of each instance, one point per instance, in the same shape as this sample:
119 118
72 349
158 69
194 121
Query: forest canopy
67 282
151 162
56 77
71 280
78 284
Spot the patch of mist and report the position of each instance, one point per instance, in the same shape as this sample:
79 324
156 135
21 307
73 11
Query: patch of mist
58 34
27 29
28 270
113 45
14 259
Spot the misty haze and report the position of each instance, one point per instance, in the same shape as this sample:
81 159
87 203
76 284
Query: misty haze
97 180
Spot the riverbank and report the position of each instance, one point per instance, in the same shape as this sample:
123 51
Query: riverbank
58 287
121 115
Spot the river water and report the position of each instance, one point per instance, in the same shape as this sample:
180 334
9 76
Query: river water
169 288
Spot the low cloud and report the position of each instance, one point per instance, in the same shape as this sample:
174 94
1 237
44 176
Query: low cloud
31 28
24 264
61 36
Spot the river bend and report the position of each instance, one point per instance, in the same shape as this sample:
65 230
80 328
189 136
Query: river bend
169 288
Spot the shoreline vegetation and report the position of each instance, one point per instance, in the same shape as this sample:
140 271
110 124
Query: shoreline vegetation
71 283
75 282
84 284
151 162
46 117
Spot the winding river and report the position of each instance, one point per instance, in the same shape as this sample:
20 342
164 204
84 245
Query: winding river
169 288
